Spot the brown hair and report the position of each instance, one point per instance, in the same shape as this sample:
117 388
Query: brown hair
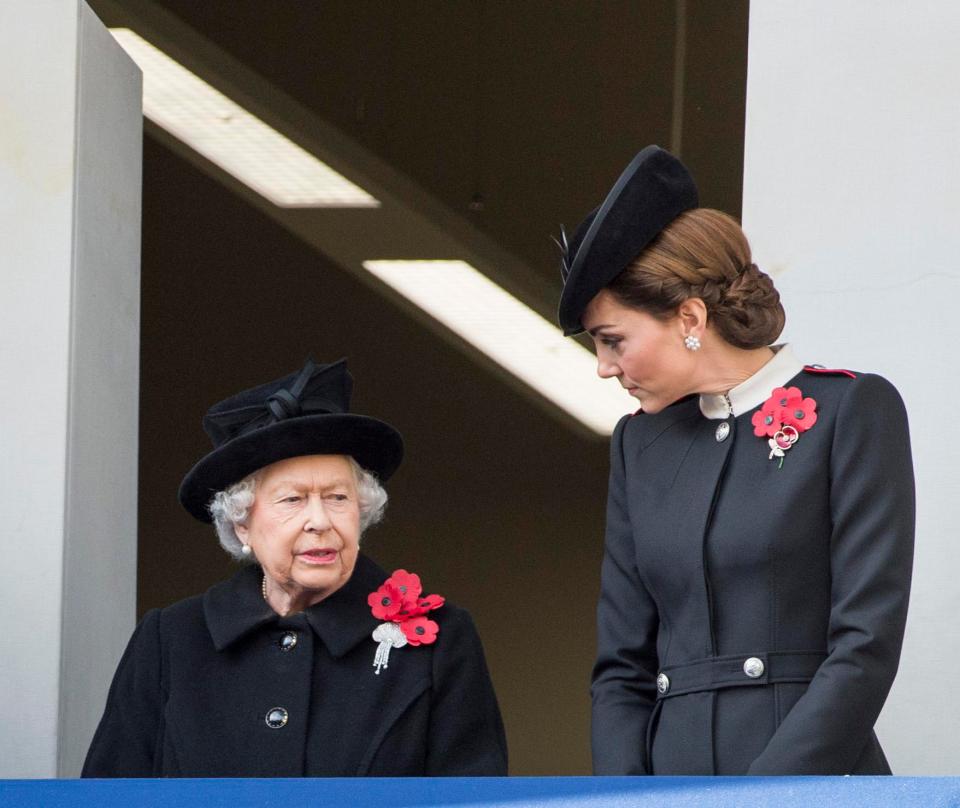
704 253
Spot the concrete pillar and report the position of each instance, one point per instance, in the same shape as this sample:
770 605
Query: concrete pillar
851 194
70 168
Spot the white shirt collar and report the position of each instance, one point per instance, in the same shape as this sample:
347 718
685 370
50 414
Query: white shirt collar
755 390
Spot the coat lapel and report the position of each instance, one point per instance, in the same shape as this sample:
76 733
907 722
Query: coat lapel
344 619
235 608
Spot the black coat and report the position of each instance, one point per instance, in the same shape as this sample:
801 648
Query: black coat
193 689
714 555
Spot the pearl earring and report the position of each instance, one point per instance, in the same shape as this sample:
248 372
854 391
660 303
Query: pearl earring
245 551
691 342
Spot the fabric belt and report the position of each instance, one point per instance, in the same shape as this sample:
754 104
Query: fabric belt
741 670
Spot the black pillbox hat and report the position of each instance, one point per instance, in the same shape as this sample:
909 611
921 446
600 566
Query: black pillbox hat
651 192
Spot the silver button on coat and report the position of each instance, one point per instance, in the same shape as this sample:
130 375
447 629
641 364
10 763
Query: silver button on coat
753 667
663 683
276 717
288 641
723 429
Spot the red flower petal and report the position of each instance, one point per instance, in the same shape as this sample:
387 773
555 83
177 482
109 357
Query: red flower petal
760 425
419 630
785 407
407 582
432 602
787 395
801 414
782 418
399 600
426 604
766 421
386 602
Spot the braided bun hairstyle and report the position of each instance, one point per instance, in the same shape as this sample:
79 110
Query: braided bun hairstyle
704 253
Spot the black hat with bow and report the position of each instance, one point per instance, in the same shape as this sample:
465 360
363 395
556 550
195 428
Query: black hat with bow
651 192
305 413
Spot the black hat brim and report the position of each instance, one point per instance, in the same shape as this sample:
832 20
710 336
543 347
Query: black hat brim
375 445
650 193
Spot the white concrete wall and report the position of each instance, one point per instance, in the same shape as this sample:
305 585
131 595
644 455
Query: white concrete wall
852 200
70 156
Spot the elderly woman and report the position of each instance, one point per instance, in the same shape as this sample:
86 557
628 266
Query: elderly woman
311 660
760 514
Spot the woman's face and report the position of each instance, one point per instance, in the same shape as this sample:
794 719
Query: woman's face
646 355
304 524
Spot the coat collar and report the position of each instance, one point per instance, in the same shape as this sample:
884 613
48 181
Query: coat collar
234 608
755 390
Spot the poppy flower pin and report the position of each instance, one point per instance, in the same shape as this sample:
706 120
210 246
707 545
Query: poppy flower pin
782 418
402 607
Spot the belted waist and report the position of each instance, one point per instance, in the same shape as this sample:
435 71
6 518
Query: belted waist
714 673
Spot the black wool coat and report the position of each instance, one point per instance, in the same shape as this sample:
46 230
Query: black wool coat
194 688
715 556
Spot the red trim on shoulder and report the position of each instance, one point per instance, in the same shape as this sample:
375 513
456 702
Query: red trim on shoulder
829 371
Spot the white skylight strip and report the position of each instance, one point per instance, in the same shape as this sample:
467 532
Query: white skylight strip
230 136
510 333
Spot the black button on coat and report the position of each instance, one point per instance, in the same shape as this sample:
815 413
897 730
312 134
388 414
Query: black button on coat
195 688
714 555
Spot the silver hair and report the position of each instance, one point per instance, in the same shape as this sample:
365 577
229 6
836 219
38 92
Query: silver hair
231 506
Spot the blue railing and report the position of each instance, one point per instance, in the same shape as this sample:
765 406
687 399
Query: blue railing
507 792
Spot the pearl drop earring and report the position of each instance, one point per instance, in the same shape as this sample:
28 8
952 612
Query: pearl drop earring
245 550
691 342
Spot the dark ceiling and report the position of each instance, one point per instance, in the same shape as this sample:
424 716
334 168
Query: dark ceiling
529 109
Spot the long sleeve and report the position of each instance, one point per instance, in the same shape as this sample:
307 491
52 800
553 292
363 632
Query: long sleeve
466 737
871 553
623 688
125 741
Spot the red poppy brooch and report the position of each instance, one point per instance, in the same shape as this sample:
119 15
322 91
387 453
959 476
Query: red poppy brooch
399 603
782 418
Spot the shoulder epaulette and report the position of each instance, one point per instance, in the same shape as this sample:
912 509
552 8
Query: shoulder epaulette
829 371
